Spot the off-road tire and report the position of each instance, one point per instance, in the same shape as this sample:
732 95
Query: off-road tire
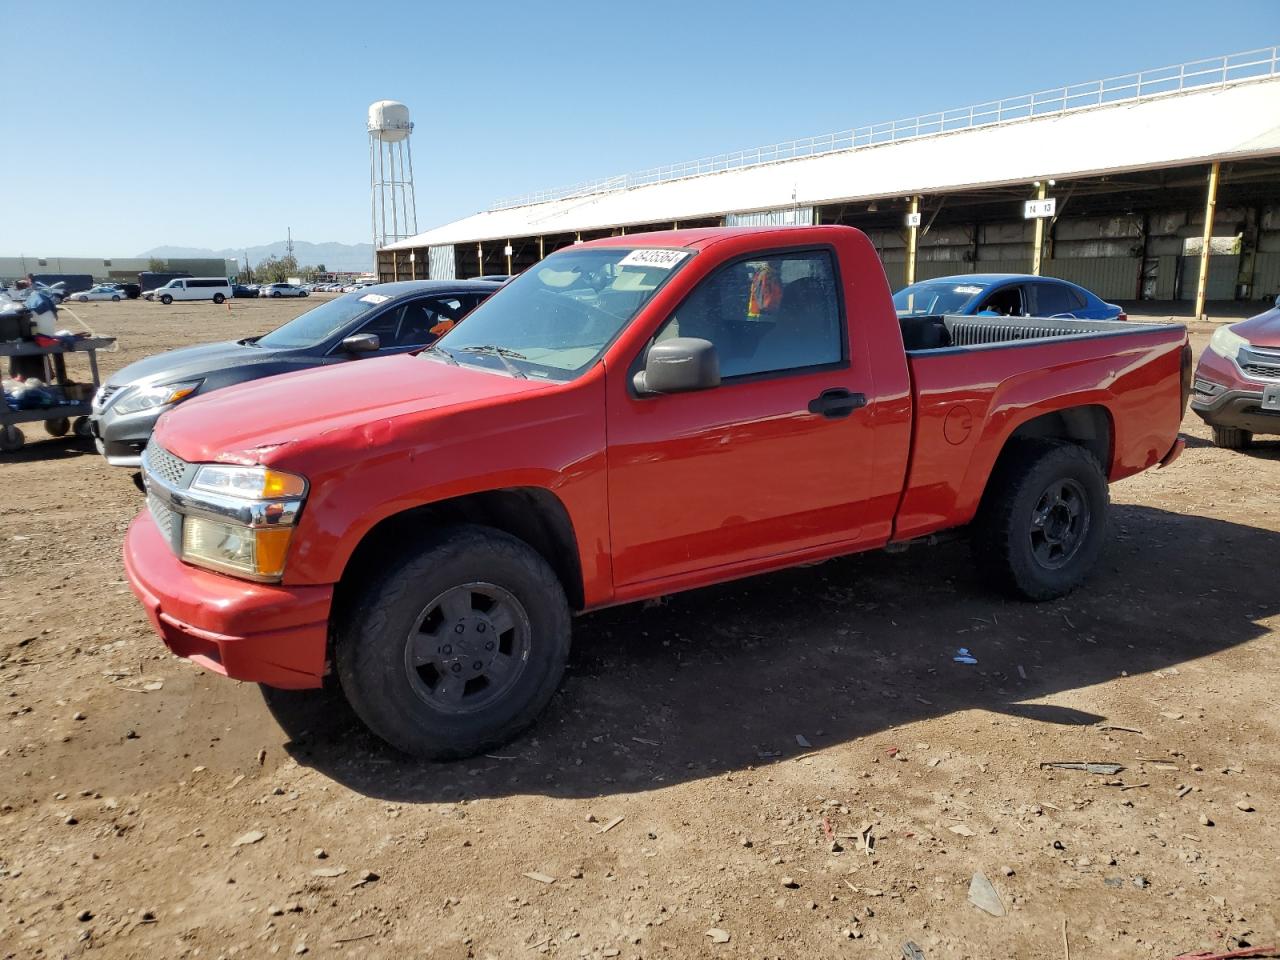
375 625
1232 438
1003 531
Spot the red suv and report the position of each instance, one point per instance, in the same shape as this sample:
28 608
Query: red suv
1237 383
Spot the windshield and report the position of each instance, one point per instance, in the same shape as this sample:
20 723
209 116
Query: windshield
934 297
554 320
318 325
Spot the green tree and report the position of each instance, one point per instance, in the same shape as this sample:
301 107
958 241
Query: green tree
275 269
157 265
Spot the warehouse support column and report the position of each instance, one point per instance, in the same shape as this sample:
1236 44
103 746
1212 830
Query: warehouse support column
913 238
542 249
508 252
1036 251
395 264
480 258
1211 201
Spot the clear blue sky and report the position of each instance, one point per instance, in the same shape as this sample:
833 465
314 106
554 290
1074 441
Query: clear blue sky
221 124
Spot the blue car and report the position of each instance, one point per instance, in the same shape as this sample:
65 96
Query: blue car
1003 295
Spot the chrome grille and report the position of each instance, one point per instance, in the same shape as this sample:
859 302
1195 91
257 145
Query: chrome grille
1263 371
164 517
105 393
163 465
1260 362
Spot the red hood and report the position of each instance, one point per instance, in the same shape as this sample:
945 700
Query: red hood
1262 330
243 423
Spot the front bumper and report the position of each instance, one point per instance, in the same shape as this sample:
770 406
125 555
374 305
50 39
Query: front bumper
122 439
1239 409
261 633
1222 397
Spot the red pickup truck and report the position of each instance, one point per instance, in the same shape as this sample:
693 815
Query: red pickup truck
630 417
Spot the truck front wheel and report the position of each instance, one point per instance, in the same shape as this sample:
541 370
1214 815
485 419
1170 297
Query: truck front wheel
456 645
1042 521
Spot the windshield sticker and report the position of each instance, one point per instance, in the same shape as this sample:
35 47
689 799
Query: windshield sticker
662 259
374 298
968 289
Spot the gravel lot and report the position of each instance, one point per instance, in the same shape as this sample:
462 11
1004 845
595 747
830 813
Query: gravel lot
701 786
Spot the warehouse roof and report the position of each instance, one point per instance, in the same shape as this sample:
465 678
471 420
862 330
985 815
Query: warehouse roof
1232 120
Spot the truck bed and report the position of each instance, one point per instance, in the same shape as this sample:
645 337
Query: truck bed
944 332
974 380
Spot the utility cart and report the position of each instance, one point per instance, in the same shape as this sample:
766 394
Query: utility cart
78 397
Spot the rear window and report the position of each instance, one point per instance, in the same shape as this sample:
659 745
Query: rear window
1055 298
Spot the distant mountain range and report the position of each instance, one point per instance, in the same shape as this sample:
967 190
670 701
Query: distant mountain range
335 256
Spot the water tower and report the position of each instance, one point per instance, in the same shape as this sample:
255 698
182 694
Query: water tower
395 213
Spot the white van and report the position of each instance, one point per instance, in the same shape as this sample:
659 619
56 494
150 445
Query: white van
216 289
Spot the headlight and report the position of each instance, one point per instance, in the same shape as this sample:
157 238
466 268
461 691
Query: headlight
244 524
1226 344
152 398
259 553
248 483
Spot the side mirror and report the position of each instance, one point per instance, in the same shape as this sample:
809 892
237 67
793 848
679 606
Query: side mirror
362 343
678 366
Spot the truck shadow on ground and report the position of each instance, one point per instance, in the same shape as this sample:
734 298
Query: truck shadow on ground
731 677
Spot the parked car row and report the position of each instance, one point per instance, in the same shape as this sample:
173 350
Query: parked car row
629 418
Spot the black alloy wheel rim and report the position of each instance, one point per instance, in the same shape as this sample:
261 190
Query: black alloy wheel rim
1060 524
468 648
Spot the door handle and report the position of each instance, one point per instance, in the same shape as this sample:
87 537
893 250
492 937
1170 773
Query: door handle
837 402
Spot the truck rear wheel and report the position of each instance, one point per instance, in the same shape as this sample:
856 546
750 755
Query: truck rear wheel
1042 521
1231 438
456 645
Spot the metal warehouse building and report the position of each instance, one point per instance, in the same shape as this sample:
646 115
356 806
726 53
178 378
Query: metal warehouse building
117 268
1141 171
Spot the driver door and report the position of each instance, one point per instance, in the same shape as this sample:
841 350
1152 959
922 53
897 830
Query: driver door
757 467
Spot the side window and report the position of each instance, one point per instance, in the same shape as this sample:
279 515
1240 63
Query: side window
384 325
766 315
424 321
1007 302
1053 299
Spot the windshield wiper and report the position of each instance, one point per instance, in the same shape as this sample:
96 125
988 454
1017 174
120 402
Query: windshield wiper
444 353
501 353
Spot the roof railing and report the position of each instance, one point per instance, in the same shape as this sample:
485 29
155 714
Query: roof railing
1146 84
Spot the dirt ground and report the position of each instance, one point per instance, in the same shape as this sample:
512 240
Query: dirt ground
701 785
